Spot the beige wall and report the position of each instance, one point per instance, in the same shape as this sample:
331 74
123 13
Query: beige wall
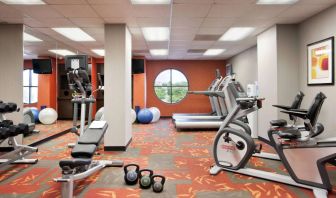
314 29
11 56
245 66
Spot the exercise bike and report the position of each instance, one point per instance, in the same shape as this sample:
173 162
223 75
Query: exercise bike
233 148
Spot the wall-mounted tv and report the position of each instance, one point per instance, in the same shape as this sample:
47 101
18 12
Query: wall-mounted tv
42 66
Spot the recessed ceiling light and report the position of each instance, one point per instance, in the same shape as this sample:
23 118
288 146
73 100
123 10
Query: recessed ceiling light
75 34
99 52
23 2
30 38
62 52
213 52
236 33
156 33
276 2
151 1
158 52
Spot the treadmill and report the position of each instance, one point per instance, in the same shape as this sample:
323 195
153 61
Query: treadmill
213 101
230 91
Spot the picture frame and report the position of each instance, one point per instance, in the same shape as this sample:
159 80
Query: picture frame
228 69
320 63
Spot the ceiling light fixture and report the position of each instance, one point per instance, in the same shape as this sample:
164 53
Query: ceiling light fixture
75 34
30 38
23 2
99 52
236 33
213 52
156 33
158 52
151 1
62 52
276 2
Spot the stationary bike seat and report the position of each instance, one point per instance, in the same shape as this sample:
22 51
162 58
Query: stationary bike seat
289 134
278 123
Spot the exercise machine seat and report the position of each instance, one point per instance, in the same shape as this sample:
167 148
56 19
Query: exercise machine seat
290 133
4 133
92 136
278 123
74 163
83 151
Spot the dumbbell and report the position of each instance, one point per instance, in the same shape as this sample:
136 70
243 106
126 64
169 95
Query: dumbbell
131 176
158 185
145 180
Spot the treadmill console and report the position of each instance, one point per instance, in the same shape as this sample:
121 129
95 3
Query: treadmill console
237 90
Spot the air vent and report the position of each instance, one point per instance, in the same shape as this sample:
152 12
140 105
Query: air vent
206 37
196 51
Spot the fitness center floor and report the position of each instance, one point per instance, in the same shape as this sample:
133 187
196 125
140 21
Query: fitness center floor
183 157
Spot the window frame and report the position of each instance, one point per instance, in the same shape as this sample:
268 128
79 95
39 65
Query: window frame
30 86
171 86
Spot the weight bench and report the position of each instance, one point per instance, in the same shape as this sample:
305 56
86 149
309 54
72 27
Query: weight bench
82 165
8 131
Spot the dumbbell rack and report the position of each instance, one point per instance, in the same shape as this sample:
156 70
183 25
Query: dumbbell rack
17 156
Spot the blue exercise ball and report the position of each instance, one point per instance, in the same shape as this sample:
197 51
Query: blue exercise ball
36 114
145 116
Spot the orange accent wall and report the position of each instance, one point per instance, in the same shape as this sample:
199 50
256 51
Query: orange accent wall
200 73
139 90
94 84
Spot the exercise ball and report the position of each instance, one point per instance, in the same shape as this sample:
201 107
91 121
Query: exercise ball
133 115
100 114
145 116
48 116
35 112
156 114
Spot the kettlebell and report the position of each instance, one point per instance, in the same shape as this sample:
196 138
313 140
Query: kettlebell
131 176
145 180
158 185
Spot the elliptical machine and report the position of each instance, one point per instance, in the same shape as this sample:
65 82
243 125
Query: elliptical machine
233 148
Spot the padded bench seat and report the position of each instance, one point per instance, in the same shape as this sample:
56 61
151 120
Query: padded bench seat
83 151
278 123
74 163
92 136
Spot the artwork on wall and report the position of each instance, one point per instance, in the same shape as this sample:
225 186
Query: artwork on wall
321 62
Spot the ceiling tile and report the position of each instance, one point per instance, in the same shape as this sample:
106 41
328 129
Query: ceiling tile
97 2
190 10
183 22
218 22
113 11
88 22
304 11
158 45
240 2
207 37
55 22
9 12
131 22
193 1
208 30
150 11
39 11
316 2
75 10
65 2
264 11
228 11
153 22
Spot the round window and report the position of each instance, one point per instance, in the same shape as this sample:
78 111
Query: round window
171 86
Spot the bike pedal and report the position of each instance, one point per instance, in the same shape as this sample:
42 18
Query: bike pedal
258 148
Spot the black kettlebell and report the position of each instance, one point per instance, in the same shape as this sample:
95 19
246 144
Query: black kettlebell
145 180
131 176
158 185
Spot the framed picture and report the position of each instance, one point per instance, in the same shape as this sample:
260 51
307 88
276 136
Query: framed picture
321 62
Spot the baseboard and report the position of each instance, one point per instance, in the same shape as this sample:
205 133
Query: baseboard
117 148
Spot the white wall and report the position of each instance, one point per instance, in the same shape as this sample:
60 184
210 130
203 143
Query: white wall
318 27
245 66
11 56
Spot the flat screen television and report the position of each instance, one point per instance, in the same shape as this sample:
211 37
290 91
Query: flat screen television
138 66
76 62
42 66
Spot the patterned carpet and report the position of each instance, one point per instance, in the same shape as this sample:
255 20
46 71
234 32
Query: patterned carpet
183 157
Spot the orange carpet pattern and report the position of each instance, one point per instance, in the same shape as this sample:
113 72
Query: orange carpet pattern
183 157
